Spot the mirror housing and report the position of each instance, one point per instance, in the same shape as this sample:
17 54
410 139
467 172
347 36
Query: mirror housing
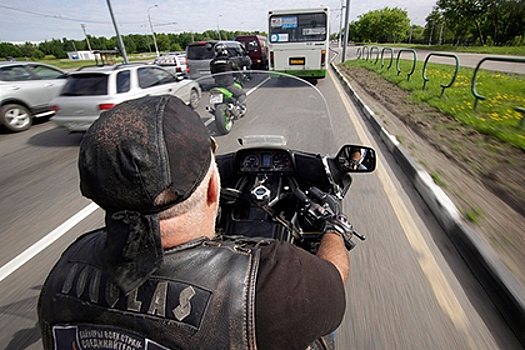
356 159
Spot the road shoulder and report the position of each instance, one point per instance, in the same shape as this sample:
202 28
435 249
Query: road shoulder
502 286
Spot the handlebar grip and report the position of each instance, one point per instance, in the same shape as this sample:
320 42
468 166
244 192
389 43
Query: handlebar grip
317 193
301 195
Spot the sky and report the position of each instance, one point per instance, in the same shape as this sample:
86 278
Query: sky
39 20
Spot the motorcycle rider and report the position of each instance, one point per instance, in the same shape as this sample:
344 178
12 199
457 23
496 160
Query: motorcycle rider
156 276
222 63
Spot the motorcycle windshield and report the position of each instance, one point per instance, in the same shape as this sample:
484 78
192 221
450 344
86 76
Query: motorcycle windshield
281 110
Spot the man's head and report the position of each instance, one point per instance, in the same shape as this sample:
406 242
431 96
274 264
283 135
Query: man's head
221 50
132 154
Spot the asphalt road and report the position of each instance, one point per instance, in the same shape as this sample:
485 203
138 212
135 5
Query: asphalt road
468 60
408 287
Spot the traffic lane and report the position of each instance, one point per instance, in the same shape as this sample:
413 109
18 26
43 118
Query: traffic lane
468 60
19 292
38 192
392 294
38 186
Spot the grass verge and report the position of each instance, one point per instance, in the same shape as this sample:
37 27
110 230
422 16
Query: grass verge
495 116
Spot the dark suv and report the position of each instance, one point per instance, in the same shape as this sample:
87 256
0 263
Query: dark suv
199 55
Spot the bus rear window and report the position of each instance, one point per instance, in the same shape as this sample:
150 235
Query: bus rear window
298 27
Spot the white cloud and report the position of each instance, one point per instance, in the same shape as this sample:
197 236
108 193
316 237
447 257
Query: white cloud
44 20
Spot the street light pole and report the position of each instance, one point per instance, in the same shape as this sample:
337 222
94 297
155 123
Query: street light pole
218 27
152 32
121 43
347 15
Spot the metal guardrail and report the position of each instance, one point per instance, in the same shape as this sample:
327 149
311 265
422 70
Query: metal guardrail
391 57
413 67
442 85
482 98
377 55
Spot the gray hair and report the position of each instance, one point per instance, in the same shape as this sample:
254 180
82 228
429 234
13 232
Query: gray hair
190 204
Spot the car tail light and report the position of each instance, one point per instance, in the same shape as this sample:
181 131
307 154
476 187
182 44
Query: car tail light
55 108
106 106
272 63
323 57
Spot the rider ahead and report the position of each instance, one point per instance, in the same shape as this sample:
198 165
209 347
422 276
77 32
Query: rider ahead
157 276
222 63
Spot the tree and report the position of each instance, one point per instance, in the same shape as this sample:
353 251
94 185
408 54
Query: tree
462 14
7 49
386 25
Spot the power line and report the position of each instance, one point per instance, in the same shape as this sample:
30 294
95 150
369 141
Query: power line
60 17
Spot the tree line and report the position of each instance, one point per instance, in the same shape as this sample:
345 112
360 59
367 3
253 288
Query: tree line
456 22
134 43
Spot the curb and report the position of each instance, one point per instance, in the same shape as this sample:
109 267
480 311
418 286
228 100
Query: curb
499 283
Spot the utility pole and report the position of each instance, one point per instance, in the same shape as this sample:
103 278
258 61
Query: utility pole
431 33
152 32
341 24
121 43
343 57
441 32
87 39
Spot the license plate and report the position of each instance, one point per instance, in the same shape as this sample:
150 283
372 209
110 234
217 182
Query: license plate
216 98
294 61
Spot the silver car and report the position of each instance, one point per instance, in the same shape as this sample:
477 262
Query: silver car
26 88
92 90
173 63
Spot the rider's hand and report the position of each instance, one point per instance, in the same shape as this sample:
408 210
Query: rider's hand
339 225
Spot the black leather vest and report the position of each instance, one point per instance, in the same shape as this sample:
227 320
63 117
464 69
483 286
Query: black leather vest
202 297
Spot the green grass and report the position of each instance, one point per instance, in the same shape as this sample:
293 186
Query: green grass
71 64
438 180
473 215
495 116
490 50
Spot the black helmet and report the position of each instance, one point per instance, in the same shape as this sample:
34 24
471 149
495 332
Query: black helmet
221 50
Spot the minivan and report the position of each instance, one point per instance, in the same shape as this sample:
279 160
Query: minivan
199 55
257 46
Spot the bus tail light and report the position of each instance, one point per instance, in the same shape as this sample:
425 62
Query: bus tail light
323 57
272 62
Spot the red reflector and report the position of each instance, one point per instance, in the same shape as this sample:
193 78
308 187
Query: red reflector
106 106
55 108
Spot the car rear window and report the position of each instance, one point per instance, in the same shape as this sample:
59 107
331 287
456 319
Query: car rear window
86 85
200 52
123 81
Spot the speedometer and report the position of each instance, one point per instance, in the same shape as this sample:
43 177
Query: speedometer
250 162
281 161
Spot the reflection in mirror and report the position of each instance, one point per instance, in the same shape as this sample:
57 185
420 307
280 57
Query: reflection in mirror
356 158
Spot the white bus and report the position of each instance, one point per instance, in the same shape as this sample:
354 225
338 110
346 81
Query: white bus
299 42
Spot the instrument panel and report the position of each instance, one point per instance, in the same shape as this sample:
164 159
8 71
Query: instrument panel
265 161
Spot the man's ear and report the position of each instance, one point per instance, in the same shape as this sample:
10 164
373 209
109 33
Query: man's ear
213 189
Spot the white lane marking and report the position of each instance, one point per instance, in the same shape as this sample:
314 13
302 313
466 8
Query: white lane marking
42 244
438 282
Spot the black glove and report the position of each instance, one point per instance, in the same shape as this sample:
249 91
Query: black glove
341 226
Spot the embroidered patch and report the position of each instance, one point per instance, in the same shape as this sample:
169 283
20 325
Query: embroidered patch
87 337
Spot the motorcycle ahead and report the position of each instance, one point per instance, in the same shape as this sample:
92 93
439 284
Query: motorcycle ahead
285 166
224 107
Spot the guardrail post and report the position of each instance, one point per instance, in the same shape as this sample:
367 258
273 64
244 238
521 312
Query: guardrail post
473 86
413 67
377 55
391 57
522 121
367 52
442 85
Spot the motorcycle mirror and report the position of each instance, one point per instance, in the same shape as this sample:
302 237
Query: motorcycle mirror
356 159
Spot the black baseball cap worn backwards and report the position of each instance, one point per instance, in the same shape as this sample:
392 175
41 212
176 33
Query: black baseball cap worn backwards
130 155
